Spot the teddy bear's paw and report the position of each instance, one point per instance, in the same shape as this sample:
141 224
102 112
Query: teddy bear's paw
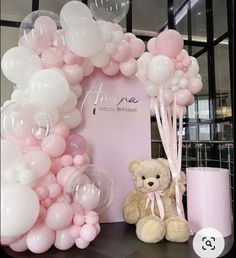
177 229
150 229
131 214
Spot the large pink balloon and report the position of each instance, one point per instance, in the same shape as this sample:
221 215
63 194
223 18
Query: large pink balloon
40 238
75 144
74 73
169 43
54 145
64 174
111 69
64 240
20 244
59 216
137 47
122 53
195 85
183 97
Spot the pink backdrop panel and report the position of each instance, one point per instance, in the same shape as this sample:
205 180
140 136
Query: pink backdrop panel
116 124
208 199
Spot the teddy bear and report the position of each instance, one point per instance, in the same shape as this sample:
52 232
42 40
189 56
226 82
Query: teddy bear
152 206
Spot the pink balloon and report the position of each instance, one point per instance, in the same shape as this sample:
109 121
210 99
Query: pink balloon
54 145
75 231
80 243
179 110
98 228
64 174
69 58
91 217
79 60
8 240
46 180
137 47
64 241
55 166
40 238
168 96
79 220
75 144
74 73
129 36
122 53
129 67
169 43
42 214
191 101
46 203
66 160
79 160
195 85
112 69
61 129
42 193
45 25
151 45
54 190
59 215
59 39
183 97
187 61
52 57
20 244
88 232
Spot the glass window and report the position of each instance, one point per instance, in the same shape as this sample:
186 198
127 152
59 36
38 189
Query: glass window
224 131
52 5
219 17
204 132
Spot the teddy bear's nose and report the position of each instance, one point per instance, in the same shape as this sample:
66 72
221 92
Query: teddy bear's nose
150 183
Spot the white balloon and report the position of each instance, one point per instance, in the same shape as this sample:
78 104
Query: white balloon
25 176
87 67
159 69
193 69
48 89
101 59
111 47
18 95
168 96
70 103
46 118
73 118
19 209
151 89
10 155
117 36
72 12
18 65
37 161
77 89
85 39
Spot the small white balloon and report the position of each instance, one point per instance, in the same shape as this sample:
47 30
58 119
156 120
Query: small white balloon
77 89
48 89
151 89
26 176
101 59
88 68
117 36
19 209
18 95
111 47
46 118
70 103
73 118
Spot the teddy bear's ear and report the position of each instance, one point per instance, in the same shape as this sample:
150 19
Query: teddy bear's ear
164 162
134 165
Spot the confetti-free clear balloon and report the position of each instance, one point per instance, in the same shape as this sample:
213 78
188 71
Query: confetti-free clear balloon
19 209
90 187
112 10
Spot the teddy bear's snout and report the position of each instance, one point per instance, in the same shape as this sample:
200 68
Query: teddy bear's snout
151 183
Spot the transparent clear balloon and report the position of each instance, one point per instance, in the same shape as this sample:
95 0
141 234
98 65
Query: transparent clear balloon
89 188
40 30
22 120
109 10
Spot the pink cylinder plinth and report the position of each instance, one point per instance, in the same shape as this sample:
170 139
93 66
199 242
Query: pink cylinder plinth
208 199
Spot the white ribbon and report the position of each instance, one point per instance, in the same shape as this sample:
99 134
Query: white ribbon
156 196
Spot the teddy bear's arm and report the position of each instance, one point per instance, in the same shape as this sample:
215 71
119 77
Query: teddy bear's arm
131 210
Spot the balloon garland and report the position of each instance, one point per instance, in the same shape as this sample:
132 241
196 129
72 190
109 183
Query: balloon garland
50 195
171 78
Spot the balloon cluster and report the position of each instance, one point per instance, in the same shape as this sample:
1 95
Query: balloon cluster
168 66
40 204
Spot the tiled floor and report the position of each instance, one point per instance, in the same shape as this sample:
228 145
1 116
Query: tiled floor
118 240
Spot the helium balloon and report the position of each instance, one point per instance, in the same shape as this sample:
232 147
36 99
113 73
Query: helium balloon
75 144
19 209
112 10
18 65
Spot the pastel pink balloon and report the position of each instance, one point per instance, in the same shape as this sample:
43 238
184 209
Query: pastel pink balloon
80 243
129 36
54 190
75 231
31 141
129 67
61 129
74 73
40 238
42 193
180 109
88 232
180 57
79 160
54 145
64 174
64 241
55 166
79 220
112 69
98 228
75 144
42 214
187 61
59 39
183 97
45 25
122 53
20 244
151 45
91 217
59 215
169 43
69 58
52 57
137 47
79 60
191 101
66 160
46 203
195 85
8 240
